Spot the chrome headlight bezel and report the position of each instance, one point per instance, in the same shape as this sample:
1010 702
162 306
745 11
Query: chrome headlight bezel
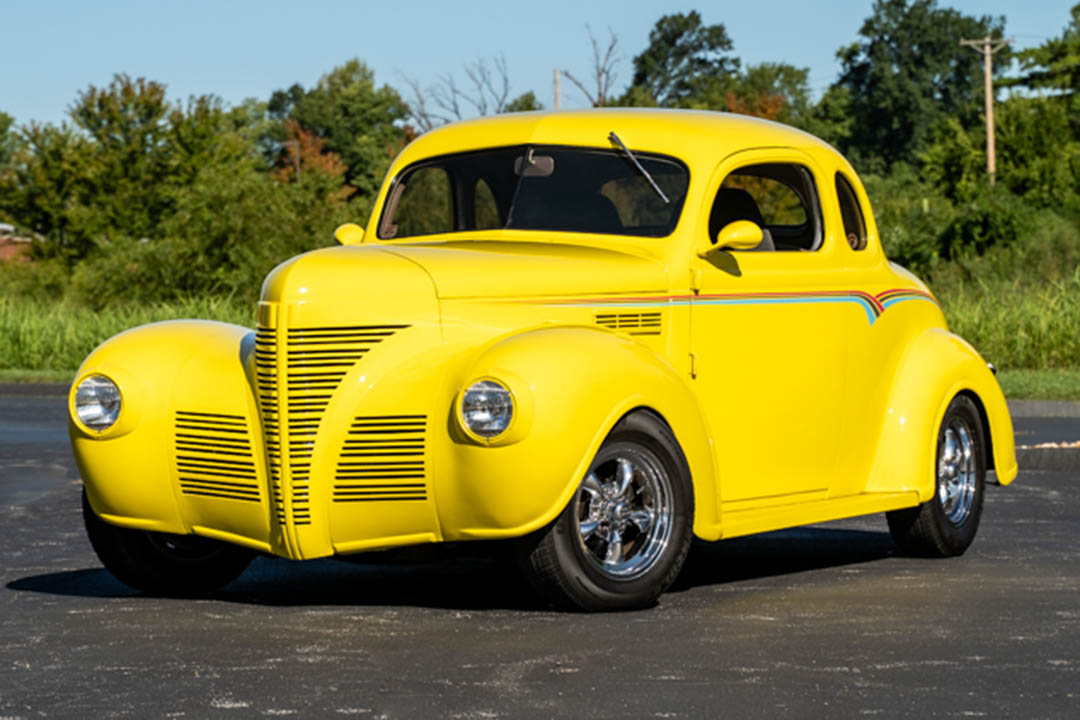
97 403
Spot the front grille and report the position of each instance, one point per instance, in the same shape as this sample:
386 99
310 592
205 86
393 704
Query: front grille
631 323
316 361
213 456
382 460
266 379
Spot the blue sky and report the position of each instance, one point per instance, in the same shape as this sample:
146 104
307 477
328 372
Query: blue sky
49 51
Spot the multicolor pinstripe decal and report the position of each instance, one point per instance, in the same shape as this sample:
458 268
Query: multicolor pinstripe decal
873 305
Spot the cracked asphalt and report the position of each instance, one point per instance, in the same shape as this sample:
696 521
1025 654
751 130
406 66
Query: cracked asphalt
825 621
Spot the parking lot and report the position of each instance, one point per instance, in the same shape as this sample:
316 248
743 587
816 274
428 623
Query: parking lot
815 622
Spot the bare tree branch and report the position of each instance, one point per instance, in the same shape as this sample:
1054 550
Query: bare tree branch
489 93
603 70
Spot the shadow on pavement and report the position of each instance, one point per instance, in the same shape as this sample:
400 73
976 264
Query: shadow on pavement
485 583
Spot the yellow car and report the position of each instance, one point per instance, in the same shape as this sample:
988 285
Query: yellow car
595 334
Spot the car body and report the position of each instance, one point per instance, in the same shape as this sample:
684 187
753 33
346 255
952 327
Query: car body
678 361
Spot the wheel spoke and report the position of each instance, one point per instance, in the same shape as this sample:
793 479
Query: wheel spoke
624 477
614 548
643 519
588 528
592 486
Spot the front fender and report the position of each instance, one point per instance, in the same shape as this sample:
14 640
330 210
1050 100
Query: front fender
937 366
580 381
190 365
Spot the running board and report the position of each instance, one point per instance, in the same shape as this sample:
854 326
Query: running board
734 523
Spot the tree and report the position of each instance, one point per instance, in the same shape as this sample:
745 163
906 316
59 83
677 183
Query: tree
1056 63
7 138
683 56
357 121
525 102
487 92
45 187
127 125
1037 158
603 70
907 73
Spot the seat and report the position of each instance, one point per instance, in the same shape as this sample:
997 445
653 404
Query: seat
574 212
733 204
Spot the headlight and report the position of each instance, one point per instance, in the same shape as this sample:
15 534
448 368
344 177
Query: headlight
487 408
97 402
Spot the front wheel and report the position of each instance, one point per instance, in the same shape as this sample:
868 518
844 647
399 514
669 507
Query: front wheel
945 525
164 564
623 537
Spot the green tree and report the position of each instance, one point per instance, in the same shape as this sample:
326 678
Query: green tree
908 72
1056 63
683 59
775 91
45 187
358 121
127 124
524 102
7 138
1037 158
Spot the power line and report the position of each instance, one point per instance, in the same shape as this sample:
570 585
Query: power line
987 46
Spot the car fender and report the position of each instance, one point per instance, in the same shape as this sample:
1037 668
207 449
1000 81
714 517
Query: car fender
937 366
574 383
160 367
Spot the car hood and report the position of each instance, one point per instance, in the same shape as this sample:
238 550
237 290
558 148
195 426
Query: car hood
493 268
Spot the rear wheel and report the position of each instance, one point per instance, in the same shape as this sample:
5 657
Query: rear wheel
161 563
945 525
623 537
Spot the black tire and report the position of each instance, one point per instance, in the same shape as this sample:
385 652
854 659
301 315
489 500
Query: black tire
563 561
163 564
945 525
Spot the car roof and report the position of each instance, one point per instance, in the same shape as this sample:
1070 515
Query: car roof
686 134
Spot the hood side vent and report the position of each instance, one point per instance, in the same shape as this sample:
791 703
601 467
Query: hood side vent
631 323
383 460
213 456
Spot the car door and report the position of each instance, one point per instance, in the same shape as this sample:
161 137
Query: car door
770 331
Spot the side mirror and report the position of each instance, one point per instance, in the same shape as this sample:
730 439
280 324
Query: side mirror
349 234
738 235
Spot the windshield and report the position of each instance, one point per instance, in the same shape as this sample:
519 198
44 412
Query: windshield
537 187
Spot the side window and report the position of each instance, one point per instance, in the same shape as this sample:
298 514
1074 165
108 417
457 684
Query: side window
779 197
421 203
487 211
854 226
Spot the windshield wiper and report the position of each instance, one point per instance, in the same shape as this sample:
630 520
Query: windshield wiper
615 139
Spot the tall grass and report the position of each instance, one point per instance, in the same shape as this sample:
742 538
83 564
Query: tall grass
57 336
1017 324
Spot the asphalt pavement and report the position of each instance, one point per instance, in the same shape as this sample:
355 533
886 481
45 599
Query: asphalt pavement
825 621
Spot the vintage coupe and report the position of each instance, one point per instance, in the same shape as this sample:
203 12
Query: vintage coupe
594 334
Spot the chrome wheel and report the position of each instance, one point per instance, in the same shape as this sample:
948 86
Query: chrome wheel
624 514
957 472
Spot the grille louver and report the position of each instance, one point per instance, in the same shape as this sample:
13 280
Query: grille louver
631 323
266 379
213 456
316 361
382 460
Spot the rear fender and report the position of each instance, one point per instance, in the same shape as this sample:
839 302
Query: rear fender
937 367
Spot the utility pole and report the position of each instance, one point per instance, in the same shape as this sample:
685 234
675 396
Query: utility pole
557 94
988 46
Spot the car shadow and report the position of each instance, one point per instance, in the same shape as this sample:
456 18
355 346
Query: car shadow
484 583
782 552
